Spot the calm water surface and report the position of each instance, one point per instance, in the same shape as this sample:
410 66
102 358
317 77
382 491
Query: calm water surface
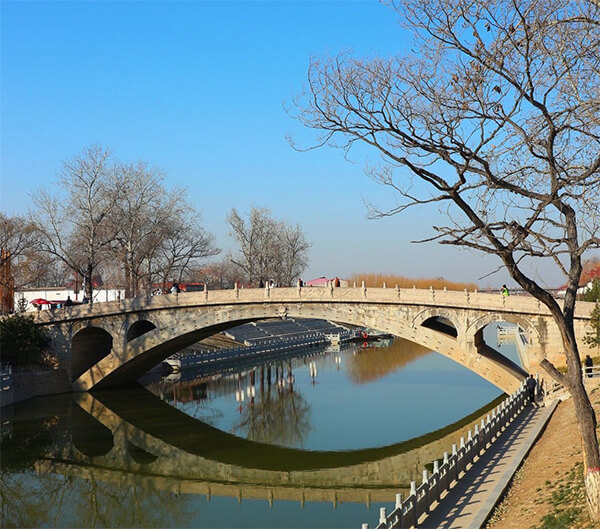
315 441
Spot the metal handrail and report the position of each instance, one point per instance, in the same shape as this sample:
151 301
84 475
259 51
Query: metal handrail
264 346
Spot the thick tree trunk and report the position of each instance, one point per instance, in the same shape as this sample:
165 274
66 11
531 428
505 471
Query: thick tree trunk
586 417
89 287
592 490
586 421
128 281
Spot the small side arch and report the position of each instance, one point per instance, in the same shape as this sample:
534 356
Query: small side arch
439 319
139 455
89 435
525 324
138 328
88 347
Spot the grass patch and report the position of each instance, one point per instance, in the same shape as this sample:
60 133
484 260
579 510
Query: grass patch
568 502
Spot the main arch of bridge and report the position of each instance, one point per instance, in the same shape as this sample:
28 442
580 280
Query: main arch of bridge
138 334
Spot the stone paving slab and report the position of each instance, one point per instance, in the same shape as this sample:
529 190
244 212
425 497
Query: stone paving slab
470 502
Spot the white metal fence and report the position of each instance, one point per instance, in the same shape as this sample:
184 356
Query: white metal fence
6 386
407 511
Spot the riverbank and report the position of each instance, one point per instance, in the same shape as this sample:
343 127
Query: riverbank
27 382
547 492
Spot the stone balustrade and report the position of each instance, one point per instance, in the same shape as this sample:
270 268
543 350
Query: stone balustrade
408 511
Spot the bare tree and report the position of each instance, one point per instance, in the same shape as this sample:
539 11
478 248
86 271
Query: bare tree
293 258
218 275
268 248
19 247
253 236
183 246
73 223
493 114
16 235
141 220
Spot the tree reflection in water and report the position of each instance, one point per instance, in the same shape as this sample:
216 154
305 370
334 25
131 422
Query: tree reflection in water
50 500
280 415
29 498
372 364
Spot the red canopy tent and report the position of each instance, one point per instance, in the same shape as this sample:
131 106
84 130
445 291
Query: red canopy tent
40 301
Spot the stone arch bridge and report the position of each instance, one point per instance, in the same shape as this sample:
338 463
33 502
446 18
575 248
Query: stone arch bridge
113 343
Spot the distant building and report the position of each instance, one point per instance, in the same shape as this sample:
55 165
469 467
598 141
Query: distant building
582 289
58 295
323 282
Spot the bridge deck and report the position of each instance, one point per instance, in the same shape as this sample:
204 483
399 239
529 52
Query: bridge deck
471 501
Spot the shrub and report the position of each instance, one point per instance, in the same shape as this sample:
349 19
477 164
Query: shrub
592 338
22 342
593 294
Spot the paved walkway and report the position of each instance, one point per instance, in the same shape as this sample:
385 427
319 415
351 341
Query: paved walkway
470 502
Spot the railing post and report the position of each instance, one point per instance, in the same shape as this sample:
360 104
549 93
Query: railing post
382 515
399 501
436 480
412 518
455 471
427 488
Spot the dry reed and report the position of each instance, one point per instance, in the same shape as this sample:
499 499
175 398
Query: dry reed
390 280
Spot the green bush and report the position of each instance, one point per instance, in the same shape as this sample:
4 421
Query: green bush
592 337
593 294
23 343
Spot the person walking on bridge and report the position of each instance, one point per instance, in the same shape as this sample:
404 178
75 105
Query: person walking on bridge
505 291
589 364
531 385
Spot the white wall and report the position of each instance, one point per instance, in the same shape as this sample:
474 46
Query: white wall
56 295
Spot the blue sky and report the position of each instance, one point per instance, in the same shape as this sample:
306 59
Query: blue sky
199 88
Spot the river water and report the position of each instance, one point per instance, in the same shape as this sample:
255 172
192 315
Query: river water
317 438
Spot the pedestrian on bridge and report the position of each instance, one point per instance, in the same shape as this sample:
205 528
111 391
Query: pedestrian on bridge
531 386
589 364
505 291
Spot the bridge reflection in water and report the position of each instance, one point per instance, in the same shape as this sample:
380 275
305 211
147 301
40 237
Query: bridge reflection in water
133 437
133 440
